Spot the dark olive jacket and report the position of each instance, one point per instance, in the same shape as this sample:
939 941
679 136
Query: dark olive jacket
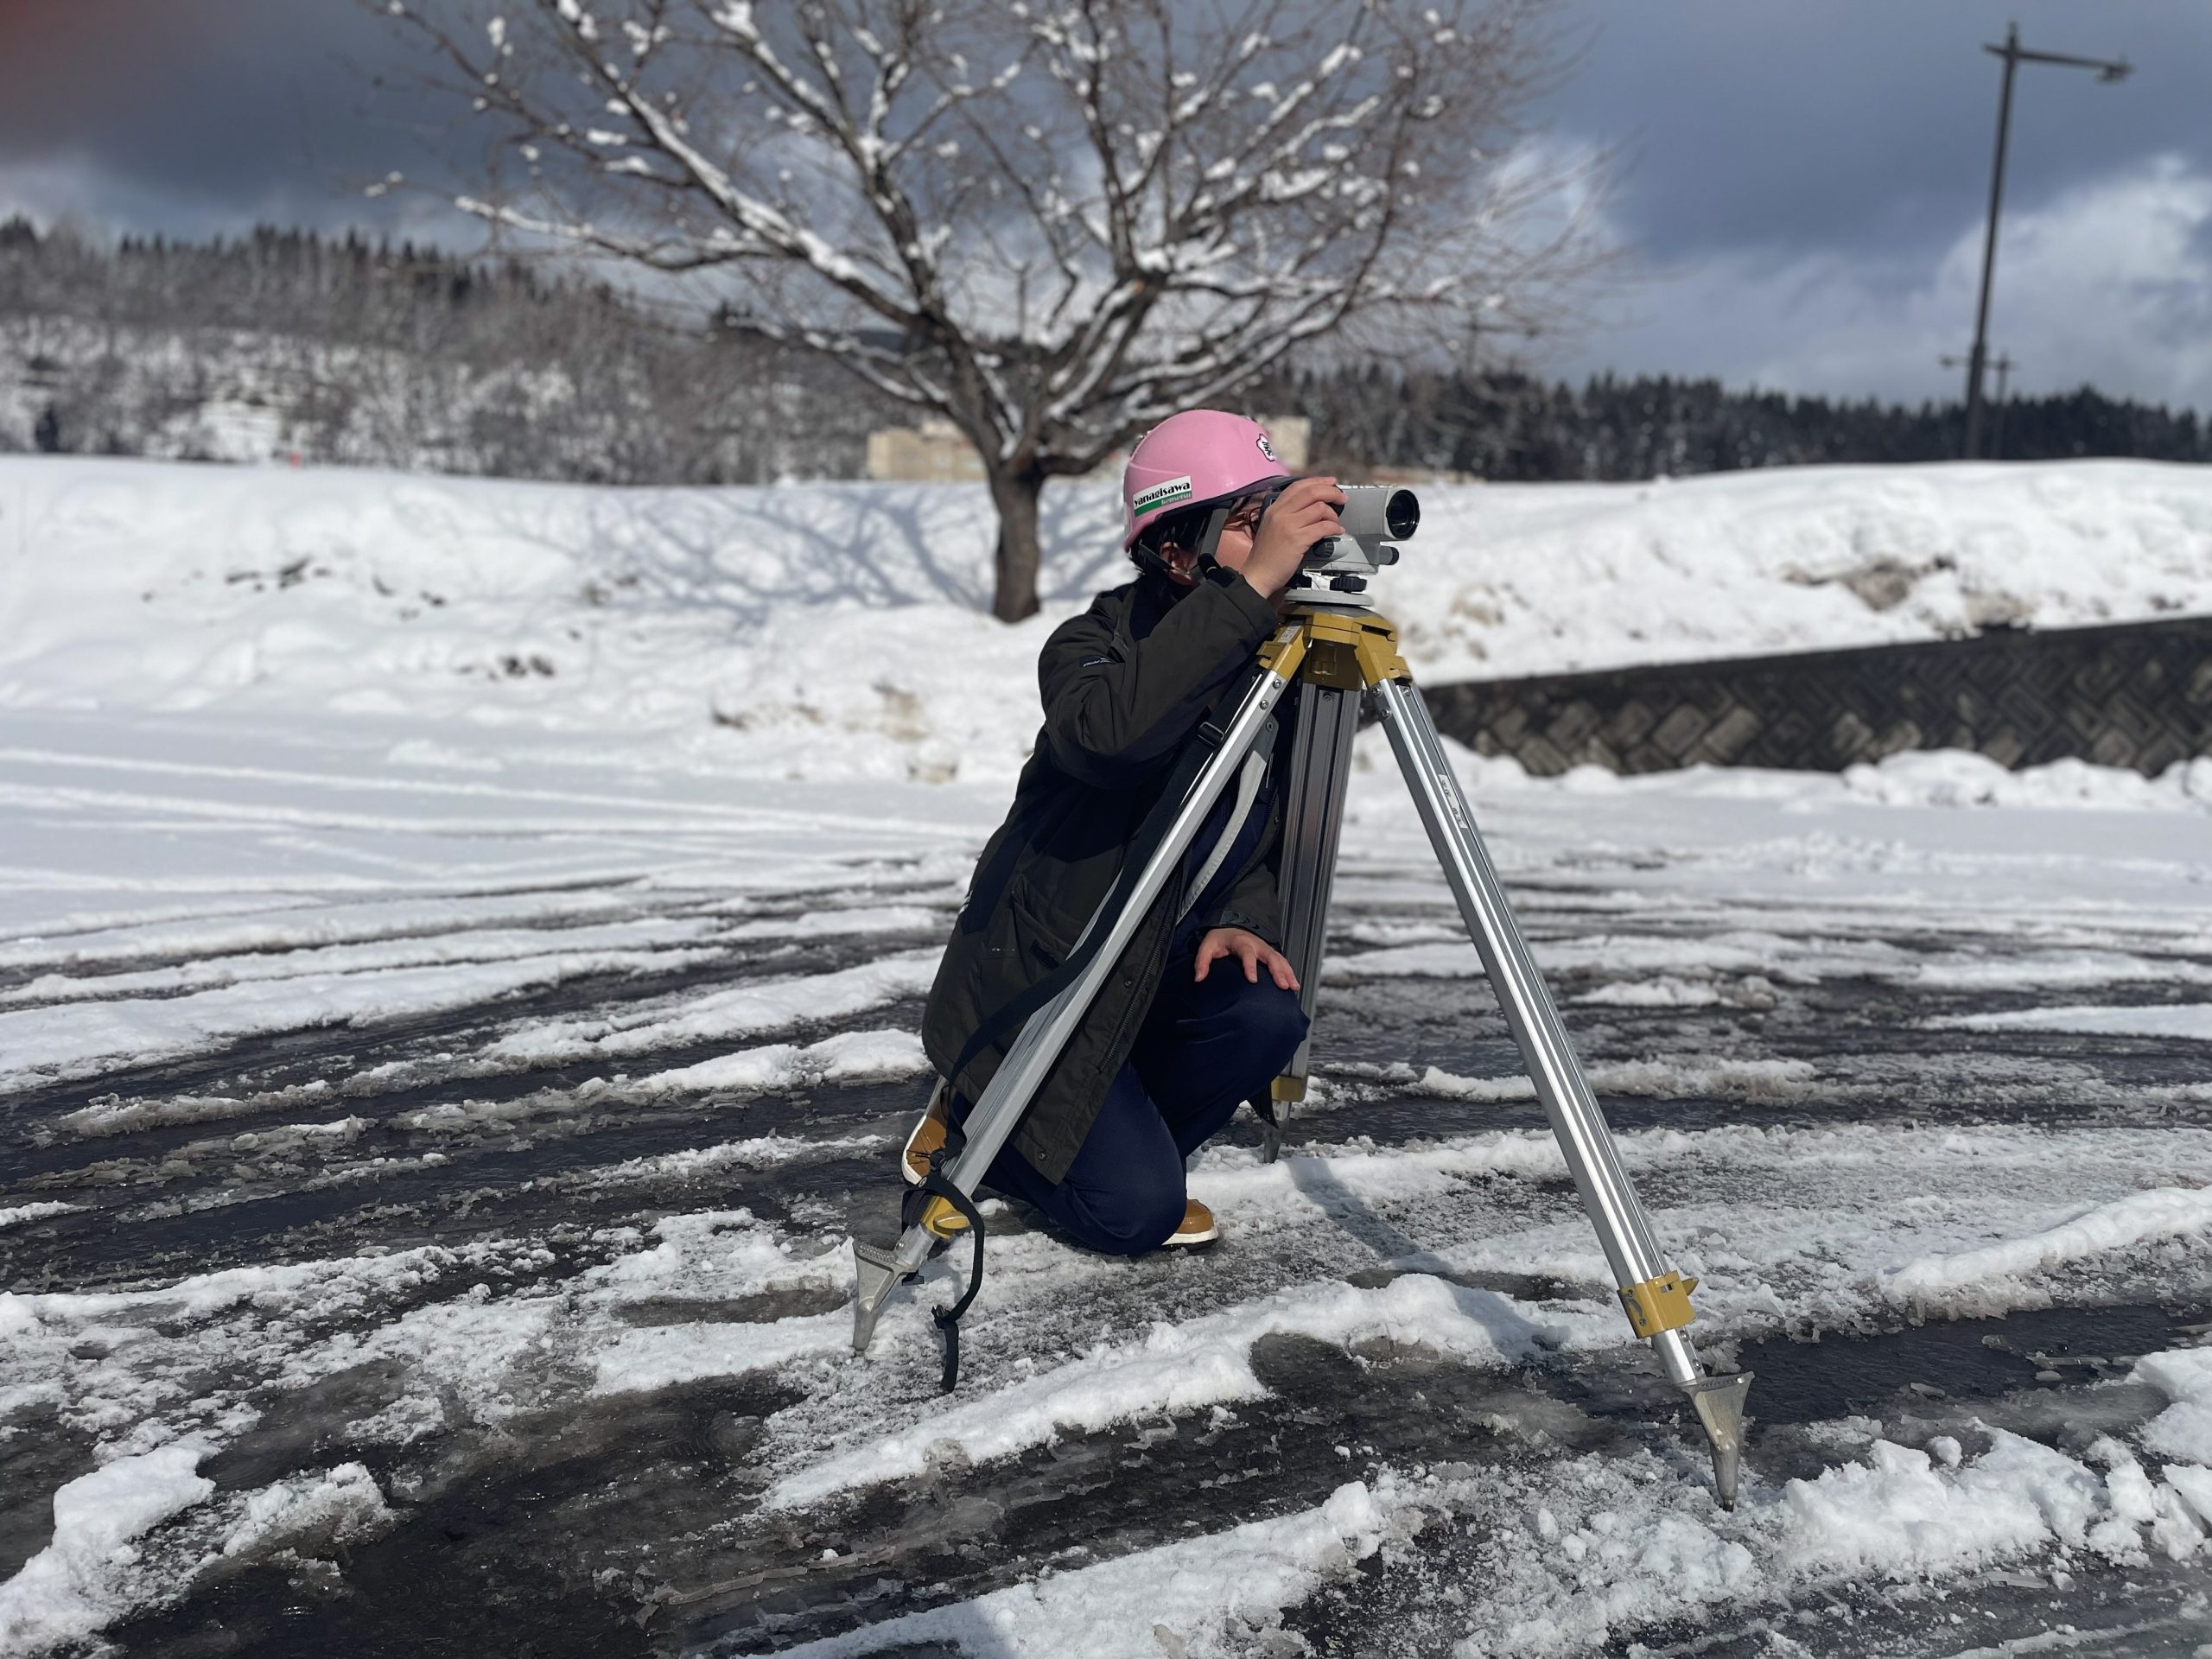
1125 686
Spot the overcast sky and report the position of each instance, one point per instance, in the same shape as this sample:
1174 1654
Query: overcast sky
1801 186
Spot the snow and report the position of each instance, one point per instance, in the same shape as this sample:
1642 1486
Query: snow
1958 777
774 730
722 1015
1175 1601
2183 1430
481 944
644 1360
1634 1554
336 1504
1665 1078
759 1153
17 1214
850 1056
1604 1545
1899 1514
1181 1368
2191 1021
2163 1212
77 1583
76 1039
722 627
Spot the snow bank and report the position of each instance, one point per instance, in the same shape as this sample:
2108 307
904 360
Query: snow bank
1582 1553
1948 1280
20 1214
482 944
2189 1020
1180 1368
77 1583
81 1038
308 1512
1960 778
1179 1602
2184 1428
1661 1077
838 631
1899 1514
747 1010
761 1152
1607 1547
849 1056
641 1361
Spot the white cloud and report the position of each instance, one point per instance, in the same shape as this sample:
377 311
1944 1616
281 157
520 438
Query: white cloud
2110 283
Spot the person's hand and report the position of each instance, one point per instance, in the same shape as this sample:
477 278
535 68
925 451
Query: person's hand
1248 948
1300 516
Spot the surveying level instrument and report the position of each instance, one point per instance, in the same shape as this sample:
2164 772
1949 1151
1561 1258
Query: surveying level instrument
1333 645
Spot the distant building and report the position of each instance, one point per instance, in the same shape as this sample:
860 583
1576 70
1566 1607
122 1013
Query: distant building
1293 438
935 452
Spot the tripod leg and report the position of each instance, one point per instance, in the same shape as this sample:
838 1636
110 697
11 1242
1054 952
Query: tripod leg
1655 1297
1321 769
1046 1033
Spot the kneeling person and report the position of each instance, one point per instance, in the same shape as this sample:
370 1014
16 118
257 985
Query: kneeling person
1202 1010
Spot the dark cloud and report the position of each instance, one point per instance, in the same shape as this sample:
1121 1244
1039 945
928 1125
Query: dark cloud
1868 126
184 114
1820 162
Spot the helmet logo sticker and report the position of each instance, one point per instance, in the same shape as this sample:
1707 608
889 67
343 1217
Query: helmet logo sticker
1266 448
1167 490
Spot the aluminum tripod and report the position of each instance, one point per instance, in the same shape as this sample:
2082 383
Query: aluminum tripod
1337 650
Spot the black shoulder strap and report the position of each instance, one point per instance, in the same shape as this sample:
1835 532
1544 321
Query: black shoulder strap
937 1184
1008 1015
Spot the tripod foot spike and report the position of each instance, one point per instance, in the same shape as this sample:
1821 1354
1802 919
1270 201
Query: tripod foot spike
876 1271
1719 1402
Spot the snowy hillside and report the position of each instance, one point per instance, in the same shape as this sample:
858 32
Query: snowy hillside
838 631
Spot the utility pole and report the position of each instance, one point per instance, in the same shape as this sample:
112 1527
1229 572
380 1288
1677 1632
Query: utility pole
2014 55
2004 367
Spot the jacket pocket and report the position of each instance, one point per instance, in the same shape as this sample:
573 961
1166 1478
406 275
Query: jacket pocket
1038 940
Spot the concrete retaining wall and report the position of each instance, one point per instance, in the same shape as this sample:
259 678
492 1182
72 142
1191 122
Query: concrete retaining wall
2135 695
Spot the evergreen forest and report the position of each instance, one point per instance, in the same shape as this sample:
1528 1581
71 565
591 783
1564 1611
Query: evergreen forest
284 343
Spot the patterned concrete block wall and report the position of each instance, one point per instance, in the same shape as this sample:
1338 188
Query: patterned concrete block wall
2135 695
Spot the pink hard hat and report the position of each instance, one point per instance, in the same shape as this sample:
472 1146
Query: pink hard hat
1199 458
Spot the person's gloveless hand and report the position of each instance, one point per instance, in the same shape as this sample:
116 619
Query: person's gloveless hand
1248 948
1302 515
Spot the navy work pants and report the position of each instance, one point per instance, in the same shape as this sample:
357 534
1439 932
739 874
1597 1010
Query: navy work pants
1205 1044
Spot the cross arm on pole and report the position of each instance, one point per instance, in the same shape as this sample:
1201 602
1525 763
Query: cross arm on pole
2108 68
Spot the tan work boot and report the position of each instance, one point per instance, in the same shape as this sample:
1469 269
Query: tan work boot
929 1134
1198 1227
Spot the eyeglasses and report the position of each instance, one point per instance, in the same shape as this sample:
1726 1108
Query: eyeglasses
1246 515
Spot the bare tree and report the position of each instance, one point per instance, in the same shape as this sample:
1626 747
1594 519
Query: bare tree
1053 222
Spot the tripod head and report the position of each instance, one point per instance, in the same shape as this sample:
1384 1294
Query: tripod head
1376 518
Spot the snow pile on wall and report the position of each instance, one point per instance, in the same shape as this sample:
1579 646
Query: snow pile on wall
1960 778
840 630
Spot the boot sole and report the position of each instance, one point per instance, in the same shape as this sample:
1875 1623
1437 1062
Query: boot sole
907 1156
1192 1241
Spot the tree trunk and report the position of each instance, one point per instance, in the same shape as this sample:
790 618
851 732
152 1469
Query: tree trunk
1014 492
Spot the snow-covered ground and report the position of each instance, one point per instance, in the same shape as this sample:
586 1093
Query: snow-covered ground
456 1001
836 632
